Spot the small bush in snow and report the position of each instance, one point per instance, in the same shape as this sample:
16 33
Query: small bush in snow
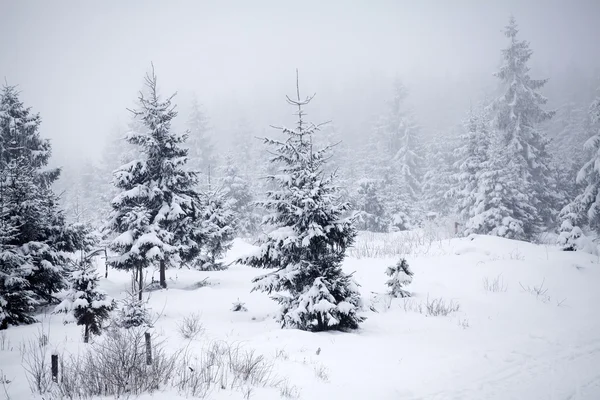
288 391
239 306
133 313
321 372
35 362
191 326
494 285
540 292
400 276
437 307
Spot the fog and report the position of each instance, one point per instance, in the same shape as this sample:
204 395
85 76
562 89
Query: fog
80 64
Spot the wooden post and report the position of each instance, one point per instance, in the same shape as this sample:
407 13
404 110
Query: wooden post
54 359
148 349
163 276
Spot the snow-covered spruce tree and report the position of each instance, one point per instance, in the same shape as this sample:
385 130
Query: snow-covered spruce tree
133 312
471 158
403 176
154 214
201 148
585 208
400 276
502 201
84 302
237 188
218 221
40 233
309 239
517 114
17 300
372 213
438 178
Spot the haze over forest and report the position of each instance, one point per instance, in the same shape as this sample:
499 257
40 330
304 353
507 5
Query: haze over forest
80 64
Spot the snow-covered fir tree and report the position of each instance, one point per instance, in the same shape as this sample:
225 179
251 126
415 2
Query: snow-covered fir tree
403 160
238 189
84 303
17 300
155 214
218 222
201 152
373 215
471 158
310 236
438 178
517 114
584 210
133 312
400 276
30 208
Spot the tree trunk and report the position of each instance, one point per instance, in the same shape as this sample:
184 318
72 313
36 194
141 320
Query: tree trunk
163 278
86 334
140 283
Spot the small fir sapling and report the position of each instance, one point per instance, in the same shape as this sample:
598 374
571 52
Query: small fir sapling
400 276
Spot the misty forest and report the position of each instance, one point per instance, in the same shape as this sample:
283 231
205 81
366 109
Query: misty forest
387 200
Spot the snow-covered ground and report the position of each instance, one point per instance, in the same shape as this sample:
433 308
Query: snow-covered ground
506 344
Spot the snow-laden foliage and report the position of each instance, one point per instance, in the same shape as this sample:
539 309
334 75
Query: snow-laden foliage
201 148
585 208
372 212
237 188
403 161
84 303
36 240
155 215
218 221
438 178
472 155
400 276
309 240
517 114
133 312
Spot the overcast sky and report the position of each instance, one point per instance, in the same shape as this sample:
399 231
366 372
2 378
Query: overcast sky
81 63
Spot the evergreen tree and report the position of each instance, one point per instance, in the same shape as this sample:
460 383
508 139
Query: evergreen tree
133 312
237 189
585 208
17 300
438 178
201 148
30 208
84 302
400 276
472 157
218 230
403 172
517 114
309 239
372 213
156 211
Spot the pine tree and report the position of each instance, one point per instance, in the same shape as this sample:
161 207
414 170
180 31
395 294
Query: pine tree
201 148
372 212
309 239
400 276
472 157
17 300
403 175
84 302
40 234
218 230
517 115
438 178
237 189
585 208
155 214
